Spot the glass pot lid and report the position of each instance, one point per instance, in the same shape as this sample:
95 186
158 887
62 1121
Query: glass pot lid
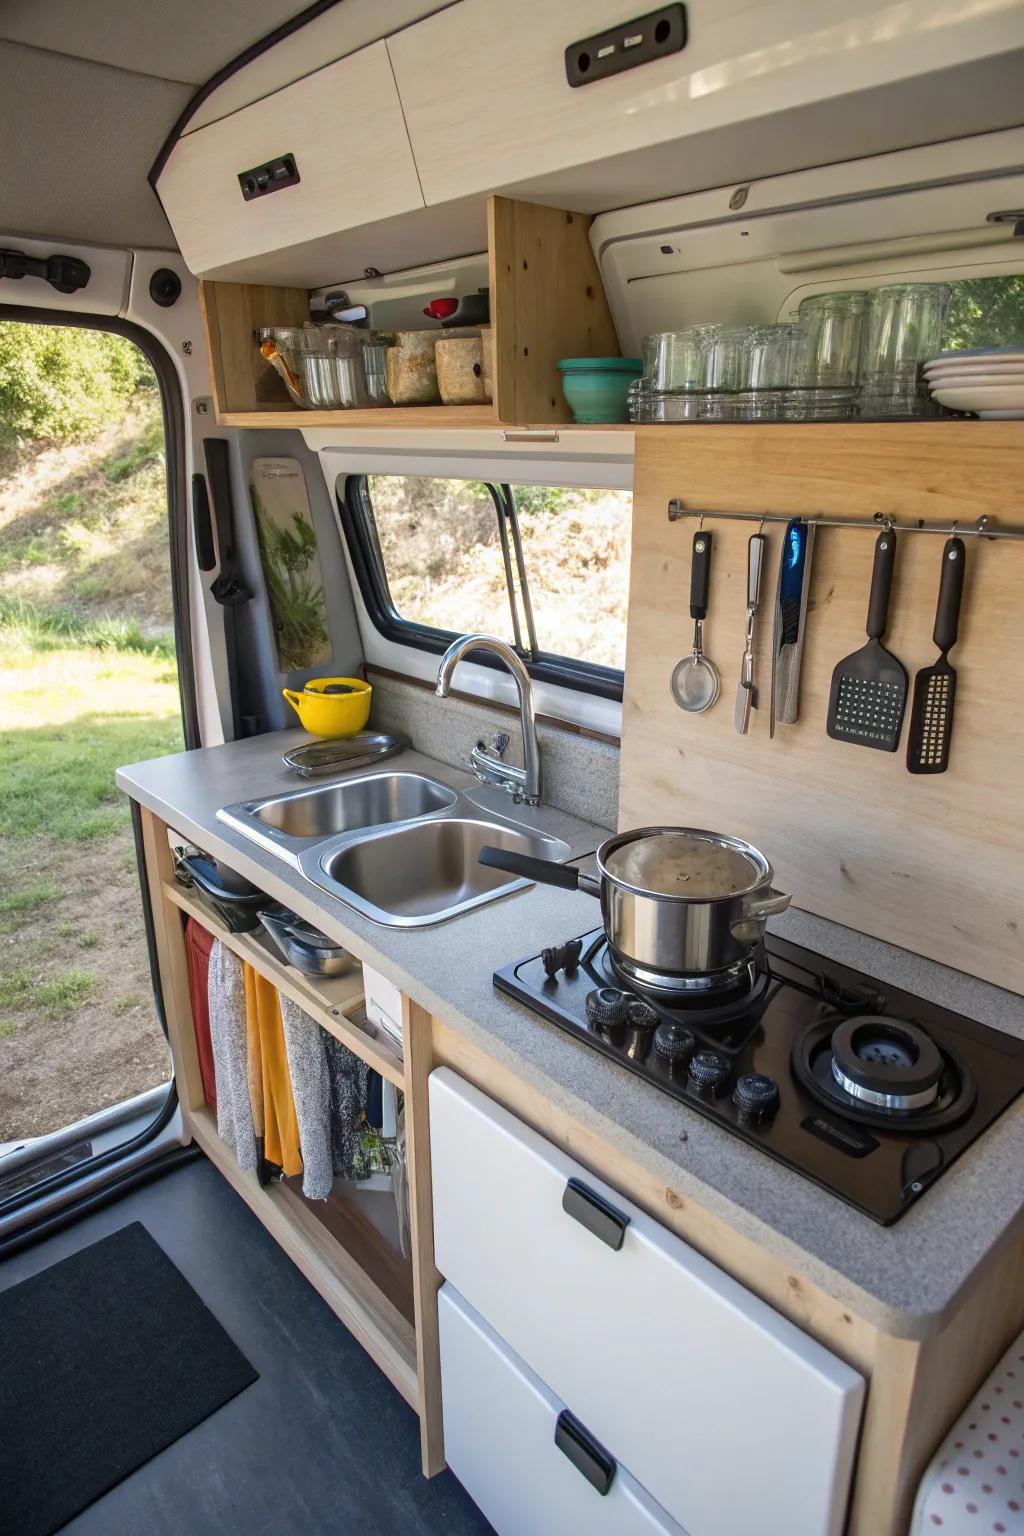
685 863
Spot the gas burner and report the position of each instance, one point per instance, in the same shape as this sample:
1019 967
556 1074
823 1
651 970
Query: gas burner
884 1071
870 1092
675 990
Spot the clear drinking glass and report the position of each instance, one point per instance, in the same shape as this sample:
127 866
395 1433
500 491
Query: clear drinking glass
769 356
828 343
726 357
903 327
375 373
675 361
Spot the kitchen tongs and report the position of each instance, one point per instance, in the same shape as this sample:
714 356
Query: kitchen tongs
790 621
746 693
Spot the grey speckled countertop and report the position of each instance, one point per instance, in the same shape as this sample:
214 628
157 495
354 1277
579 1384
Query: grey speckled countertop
903 1279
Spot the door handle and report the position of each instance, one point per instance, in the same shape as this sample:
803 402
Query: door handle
587 1455
595 1213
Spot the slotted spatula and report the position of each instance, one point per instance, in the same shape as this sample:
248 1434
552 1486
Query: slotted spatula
931 717
869 688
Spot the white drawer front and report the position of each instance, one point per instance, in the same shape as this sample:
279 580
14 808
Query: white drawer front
499 1440
730 1416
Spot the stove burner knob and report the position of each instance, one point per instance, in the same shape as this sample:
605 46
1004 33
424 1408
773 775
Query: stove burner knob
606 1008
641 1015
708 1074
756 1097
674 1045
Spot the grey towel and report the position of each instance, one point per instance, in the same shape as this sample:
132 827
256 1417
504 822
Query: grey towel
311 1090
226 998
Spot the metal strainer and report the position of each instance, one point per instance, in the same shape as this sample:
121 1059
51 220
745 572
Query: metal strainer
695 680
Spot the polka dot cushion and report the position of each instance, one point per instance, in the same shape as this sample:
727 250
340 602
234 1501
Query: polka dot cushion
975 1484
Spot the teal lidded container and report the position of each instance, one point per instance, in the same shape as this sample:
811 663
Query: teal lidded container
595 387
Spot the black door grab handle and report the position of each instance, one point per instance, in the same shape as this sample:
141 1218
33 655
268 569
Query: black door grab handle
587 1455
595 1213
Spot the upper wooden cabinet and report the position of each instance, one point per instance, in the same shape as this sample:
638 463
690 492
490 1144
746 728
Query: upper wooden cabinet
761 88
342 125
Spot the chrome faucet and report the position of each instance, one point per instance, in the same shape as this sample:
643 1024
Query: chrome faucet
523 784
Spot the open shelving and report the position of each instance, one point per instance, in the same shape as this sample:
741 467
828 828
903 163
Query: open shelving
547 302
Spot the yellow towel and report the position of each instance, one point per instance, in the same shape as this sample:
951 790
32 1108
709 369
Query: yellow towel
270 1087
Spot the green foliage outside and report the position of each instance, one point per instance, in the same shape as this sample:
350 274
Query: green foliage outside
984 312
58 381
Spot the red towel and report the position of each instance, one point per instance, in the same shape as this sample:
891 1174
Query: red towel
198 943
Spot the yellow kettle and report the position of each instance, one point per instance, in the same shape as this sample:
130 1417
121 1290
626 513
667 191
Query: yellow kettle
331 706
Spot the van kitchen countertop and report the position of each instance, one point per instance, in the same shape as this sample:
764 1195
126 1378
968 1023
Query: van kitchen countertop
903 1279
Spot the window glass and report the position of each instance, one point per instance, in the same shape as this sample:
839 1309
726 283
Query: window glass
441 550
984 312
576 548
442 554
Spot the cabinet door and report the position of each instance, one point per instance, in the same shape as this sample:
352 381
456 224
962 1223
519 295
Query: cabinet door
500 1425
732 1418
342 125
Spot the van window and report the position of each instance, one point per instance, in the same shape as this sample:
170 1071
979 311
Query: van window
984 312
544 568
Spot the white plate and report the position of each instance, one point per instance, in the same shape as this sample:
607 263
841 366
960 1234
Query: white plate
958 361
970 353
1003 401
1009 376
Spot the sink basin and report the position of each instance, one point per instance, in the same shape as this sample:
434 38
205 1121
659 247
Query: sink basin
412 875
330 809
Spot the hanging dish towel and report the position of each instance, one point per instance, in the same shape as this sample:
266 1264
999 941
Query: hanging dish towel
226 1004
198 943
311 1087
272 1101
348 1076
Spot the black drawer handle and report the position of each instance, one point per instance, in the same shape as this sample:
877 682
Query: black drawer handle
587 1455
595 1213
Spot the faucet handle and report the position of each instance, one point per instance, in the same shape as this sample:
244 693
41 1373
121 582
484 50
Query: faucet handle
499 741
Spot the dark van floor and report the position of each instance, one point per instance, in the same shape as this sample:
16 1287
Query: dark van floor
321 1443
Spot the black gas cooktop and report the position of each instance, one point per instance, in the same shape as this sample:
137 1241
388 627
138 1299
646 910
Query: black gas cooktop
862 1087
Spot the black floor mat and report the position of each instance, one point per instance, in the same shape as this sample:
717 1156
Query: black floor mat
106 1358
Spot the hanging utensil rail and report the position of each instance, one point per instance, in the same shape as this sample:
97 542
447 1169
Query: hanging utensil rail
981 528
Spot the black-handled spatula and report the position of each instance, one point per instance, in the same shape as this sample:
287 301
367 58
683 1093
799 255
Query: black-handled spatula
869 688
931 716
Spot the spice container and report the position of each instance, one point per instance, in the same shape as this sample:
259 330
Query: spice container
411 368
375 372
676 361
726 357
769 356
460 370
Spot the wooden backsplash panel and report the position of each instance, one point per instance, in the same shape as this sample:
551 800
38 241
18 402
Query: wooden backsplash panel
933 864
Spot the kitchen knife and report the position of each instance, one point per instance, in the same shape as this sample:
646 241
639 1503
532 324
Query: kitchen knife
790 621
746 693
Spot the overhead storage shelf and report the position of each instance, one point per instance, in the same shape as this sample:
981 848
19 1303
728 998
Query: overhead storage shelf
547 302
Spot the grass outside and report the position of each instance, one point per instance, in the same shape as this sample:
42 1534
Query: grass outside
87 683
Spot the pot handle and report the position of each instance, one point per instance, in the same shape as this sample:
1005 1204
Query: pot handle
749 928
565 876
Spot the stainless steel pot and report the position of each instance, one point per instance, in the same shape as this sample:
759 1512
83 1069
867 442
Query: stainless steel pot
678 903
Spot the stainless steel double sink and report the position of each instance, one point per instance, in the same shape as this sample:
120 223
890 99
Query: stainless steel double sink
399 847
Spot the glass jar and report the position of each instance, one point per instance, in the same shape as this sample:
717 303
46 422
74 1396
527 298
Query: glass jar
902 329
769 356
727 350
676 361
828 342
375 373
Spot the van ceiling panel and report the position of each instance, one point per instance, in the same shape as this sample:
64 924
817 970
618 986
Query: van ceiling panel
78 141
182 40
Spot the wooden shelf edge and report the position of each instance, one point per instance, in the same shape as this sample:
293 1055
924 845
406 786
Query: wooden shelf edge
394 416
329 1002
388 1337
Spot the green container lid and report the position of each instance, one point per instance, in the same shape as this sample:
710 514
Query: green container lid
600 365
